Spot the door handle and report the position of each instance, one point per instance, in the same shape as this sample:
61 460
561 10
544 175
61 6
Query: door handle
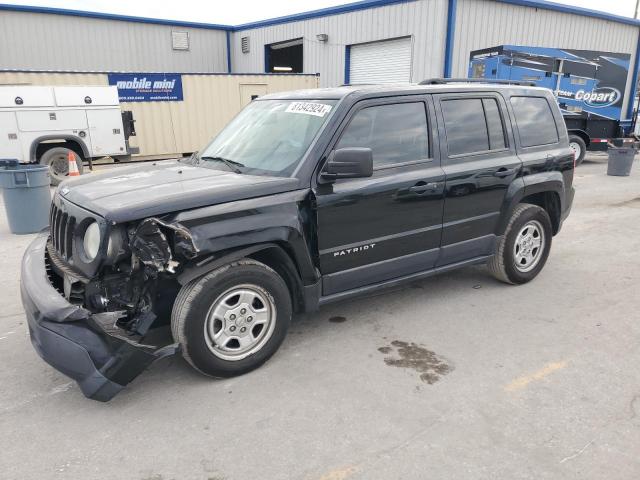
424 187
505 172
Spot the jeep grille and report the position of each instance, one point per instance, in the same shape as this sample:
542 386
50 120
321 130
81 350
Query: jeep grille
62 226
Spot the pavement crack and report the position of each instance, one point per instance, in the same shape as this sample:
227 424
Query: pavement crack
578 453
633 405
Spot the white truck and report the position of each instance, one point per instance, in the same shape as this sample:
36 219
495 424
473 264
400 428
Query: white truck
43 124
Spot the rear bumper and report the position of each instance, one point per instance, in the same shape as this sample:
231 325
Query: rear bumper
86 347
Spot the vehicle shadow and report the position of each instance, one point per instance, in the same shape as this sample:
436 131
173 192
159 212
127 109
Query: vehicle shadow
175 374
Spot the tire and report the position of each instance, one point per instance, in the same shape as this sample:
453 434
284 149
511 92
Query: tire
57 159
579 147
196 319
506 265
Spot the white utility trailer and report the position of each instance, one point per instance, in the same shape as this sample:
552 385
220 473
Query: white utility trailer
42 124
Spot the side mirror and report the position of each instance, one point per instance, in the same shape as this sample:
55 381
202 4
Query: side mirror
351 162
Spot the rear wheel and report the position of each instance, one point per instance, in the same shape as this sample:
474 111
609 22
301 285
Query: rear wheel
524 247
233 319
57 159
579 148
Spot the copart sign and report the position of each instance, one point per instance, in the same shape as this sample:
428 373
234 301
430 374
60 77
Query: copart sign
600 97
147 87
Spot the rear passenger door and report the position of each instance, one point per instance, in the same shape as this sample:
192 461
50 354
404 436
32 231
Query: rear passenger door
480 162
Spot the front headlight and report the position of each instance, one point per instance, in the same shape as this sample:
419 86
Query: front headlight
91 241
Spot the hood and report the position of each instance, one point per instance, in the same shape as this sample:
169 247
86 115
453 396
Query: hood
133 193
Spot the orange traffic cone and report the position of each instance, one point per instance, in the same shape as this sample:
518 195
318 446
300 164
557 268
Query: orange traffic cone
73 166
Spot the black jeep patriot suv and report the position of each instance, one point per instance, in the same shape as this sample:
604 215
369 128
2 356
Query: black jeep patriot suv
305 198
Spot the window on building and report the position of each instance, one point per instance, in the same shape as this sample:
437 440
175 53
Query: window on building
535 121
284 57
473 125
396 133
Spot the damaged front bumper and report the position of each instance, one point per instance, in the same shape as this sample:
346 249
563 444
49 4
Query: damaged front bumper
89 348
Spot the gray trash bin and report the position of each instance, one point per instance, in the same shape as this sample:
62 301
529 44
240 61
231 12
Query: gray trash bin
26 195
620 161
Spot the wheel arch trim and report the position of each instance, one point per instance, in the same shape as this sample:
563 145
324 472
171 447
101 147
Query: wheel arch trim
536 183
36 142
580 133
290 269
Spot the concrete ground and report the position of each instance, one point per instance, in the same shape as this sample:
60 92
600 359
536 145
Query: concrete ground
457 376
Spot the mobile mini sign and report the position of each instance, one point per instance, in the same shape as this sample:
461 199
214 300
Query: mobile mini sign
147 87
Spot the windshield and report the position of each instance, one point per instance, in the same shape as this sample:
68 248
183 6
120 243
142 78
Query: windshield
268 137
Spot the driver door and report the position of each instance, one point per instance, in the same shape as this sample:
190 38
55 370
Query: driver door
388 225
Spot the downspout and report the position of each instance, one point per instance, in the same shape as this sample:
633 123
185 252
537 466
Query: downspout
634 80
347 64
450 40
228 51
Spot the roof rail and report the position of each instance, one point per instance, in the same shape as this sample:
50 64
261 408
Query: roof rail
443 81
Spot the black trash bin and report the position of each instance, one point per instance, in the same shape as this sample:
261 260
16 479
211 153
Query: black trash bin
26 195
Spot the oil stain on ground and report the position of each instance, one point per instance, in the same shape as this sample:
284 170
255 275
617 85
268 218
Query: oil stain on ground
337 319
430 366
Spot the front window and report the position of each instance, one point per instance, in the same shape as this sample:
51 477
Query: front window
268 137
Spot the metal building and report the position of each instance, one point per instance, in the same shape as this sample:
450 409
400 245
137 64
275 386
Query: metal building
366 41
38 38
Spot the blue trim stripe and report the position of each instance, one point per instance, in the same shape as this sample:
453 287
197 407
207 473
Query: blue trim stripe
112 16
585 12
323 12
235 74
347 64
450 40
350 7
634 81
228 34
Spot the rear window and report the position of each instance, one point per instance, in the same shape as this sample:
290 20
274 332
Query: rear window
535 121
473 125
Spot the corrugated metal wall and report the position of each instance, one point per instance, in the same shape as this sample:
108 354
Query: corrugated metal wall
424 20
39 41
170 128
483 24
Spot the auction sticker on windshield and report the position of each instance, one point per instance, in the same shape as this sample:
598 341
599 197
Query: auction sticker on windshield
309 108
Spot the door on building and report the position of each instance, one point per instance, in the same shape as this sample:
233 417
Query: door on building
388 61
284 57
251 91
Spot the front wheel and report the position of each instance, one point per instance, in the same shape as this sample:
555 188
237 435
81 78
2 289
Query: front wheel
578 147
233 319
524 247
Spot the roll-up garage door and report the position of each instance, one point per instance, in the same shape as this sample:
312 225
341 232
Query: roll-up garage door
388 61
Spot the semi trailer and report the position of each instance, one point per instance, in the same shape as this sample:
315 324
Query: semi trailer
590 87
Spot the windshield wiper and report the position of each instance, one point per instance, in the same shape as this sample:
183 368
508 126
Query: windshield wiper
233 165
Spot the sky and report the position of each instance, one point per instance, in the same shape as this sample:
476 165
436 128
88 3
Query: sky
235 12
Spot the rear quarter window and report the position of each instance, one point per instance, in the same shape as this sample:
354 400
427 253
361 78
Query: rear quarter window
536 124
